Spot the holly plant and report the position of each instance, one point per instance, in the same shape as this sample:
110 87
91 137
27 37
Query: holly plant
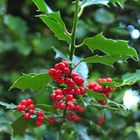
70 94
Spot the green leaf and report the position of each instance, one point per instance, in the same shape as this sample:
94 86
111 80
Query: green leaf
119 48
8 106
19 126
109 84
97 96
56 25
42 6
120 2
86 3
46 108
106 59
32 81
129 78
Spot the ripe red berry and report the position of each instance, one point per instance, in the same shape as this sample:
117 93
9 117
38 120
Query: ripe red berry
64 90
101 120
24 102
51 120
62 106
53 96
23 107
71 83
60 81
109 79
102 102
56 105
40 118
31 111
38 123
26 116
19 107
71 106
52 72
61 66
77 91
66 63
69 97
32 106
107 95
74 75
70 91
82 91
59 74
58 92
79 109
29 101
40 114
66 71
58 97
66 81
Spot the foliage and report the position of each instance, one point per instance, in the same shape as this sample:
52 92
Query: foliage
34 47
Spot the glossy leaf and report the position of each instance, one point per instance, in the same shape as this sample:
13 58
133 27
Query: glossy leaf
32 81
109 84
56 25
19 126
42 6
129 79
106 59
47 108
8 106
97 96
120 2
111 47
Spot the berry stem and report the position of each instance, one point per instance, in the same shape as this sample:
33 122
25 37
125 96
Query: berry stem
73 34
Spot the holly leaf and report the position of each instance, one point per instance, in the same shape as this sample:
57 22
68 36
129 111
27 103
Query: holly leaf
86 3
42 6
8 106
97 96
19 126
32 81
120 2
106 59
128 79
115 48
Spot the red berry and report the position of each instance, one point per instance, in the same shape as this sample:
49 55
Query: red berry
24 102
66 71
60 81
40 114
71 83
61 66
51 120
58 92
74 75
66 63
32 106
23 107
56 105
98 88
69 97
40 118
109 79
62 106
26 116
102 102
79 81
64 90
19 107
53 96
70 91
101 120
79 109
76 118
77 91
29 101
58 97
38 123
52 72
56 66
71 106
107 95
82 91
109 89
31 111
59 73
66 81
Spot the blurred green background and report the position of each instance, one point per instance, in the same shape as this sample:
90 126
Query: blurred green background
26 47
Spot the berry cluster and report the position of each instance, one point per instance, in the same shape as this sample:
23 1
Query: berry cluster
28 107
96 87
66 97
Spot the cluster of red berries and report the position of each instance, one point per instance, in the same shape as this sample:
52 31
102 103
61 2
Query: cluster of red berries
97 87
66 97
28 107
